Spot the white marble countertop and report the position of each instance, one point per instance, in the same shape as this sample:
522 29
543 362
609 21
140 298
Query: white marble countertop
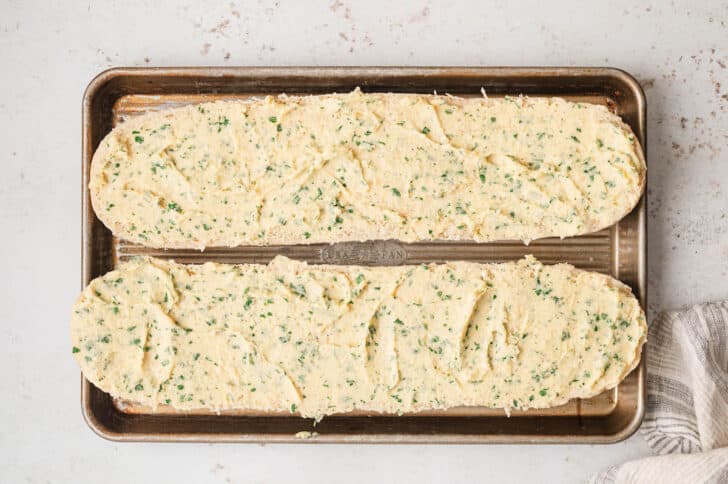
50 50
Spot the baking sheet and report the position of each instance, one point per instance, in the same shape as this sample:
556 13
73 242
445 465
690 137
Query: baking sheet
619 250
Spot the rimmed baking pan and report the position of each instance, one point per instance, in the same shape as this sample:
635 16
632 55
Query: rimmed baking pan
117 94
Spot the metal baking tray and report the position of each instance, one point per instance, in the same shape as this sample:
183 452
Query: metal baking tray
619 250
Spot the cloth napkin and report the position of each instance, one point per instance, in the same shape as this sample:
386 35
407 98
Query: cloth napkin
686 421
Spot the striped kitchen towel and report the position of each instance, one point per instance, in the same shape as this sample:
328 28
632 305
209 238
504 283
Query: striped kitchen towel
687 400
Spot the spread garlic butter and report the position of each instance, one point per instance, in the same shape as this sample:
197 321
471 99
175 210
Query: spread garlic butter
318 340
360 166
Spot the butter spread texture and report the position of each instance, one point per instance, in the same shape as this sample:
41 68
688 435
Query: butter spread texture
318 340
361 166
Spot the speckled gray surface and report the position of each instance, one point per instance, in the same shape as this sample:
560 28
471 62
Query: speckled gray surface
679 50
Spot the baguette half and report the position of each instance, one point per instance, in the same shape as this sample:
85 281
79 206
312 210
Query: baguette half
319 340
351 167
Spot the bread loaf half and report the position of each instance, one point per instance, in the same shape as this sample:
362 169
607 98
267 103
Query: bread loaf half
318 340
356 166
